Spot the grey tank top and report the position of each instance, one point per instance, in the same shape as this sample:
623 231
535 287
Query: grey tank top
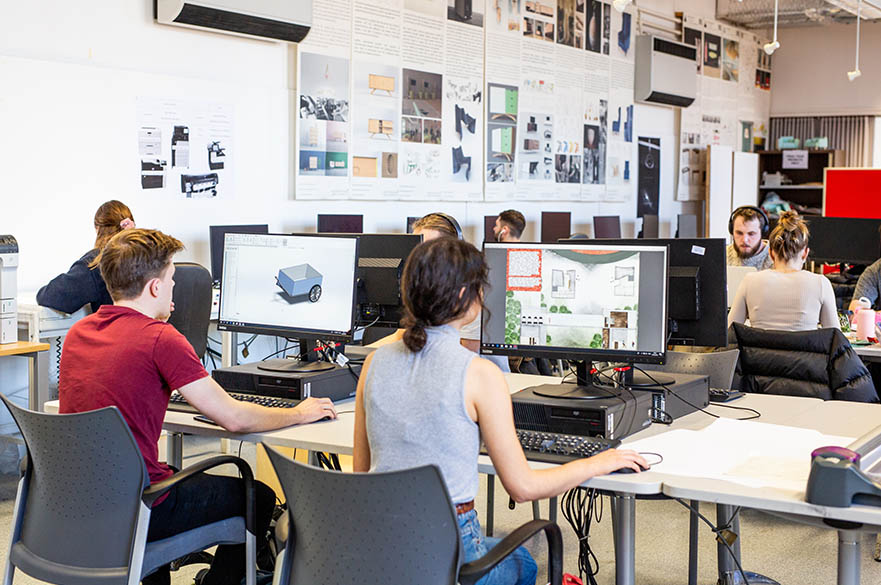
414 405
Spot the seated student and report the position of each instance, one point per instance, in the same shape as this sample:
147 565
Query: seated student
786 298
748 249
509 226
81 284
427 400
126 355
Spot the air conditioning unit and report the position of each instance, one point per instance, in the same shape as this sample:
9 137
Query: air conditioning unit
666 72
282 20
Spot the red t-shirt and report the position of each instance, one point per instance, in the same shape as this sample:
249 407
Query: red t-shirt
121 357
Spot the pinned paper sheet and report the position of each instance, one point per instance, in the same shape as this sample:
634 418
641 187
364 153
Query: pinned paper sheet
746 452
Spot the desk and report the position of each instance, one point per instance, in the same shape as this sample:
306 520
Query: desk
868 353
38 369
827 417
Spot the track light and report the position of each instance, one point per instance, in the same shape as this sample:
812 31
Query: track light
773 45
851 75
620 5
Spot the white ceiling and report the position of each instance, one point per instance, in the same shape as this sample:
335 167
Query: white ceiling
759 14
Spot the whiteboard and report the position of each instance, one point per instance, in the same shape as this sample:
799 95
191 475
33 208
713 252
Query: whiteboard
720 168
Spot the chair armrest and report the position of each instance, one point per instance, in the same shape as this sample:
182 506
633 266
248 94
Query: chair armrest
156 490
471 572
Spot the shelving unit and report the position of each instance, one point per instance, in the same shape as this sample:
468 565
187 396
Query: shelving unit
807 184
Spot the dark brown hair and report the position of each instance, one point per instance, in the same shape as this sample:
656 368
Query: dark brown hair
514 220
108 220
435 273
790 237
748 214
132 258
433 221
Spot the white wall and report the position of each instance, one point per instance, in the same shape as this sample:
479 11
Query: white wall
71 73
809 71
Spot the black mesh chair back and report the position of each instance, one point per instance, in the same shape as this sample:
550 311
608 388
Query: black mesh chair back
192 304
354 528
80 493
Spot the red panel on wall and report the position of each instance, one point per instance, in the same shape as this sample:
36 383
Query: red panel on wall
852 193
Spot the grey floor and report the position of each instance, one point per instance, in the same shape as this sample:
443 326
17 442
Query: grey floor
791 553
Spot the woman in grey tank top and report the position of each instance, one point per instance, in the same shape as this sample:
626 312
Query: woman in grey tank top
420 401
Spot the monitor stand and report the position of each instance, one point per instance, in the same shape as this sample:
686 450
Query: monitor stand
294 366
584 389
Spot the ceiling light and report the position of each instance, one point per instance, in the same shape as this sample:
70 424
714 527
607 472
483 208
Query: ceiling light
620 5
851 75
773 45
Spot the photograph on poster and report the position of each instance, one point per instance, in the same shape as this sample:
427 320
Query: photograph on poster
730 60
499 173
465 11
504 15
411 129
593 42
324 87
423 94
693 36
607 25
377 80
570 23
712 55
595 139
536 131
463 117
622 34
422 164
648 176
535 28
567 168
540 7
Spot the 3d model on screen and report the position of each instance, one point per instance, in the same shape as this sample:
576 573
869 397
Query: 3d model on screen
297 281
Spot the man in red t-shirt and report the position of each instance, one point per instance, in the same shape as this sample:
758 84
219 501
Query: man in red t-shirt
126 355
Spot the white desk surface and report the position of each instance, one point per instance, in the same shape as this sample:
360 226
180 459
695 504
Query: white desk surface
869 352
841 418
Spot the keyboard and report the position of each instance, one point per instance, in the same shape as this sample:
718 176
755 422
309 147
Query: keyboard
558 448
723 395
178 403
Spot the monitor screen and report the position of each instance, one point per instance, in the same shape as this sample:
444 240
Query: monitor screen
555 225
697 305
294 286
410 221
591 302
215 241
844 239
340 224
606 226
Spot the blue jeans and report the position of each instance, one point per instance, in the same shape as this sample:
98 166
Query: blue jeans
518 568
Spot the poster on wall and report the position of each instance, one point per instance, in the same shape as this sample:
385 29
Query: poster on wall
185 147
649 172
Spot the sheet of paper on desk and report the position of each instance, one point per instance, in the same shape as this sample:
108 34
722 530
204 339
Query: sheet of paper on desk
746 452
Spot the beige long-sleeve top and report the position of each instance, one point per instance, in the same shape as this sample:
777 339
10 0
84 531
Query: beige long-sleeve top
786 301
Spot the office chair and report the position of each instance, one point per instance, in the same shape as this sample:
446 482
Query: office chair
819 363
388 527
192 304
84 499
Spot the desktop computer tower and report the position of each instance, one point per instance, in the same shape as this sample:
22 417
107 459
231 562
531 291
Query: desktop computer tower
615 417
337 383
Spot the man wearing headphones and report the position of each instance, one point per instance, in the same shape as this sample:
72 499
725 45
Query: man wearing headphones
509 226
749 225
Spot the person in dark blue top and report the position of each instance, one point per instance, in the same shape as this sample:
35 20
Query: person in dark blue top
82 284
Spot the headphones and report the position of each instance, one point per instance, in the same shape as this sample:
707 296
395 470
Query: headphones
766 223
452 221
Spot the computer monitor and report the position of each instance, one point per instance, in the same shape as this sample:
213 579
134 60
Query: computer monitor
555 225
697 305
589 302
299 286
215 242
340 224
489 222
410 221
606 226
844 239
381 259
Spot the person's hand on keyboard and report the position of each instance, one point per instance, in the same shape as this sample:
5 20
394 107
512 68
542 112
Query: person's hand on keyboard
615 459
313 409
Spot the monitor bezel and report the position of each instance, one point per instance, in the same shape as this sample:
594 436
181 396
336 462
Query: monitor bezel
228 229
297 332
587 354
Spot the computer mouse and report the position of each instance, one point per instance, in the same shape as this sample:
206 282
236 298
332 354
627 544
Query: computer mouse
631 470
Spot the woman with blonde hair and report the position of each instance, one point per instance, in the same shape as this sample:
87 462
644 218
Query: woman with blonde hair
83 283
786 298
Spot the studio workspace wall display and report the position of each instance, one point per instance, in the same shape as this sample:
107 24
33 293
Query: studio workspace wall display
649 182
185 147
